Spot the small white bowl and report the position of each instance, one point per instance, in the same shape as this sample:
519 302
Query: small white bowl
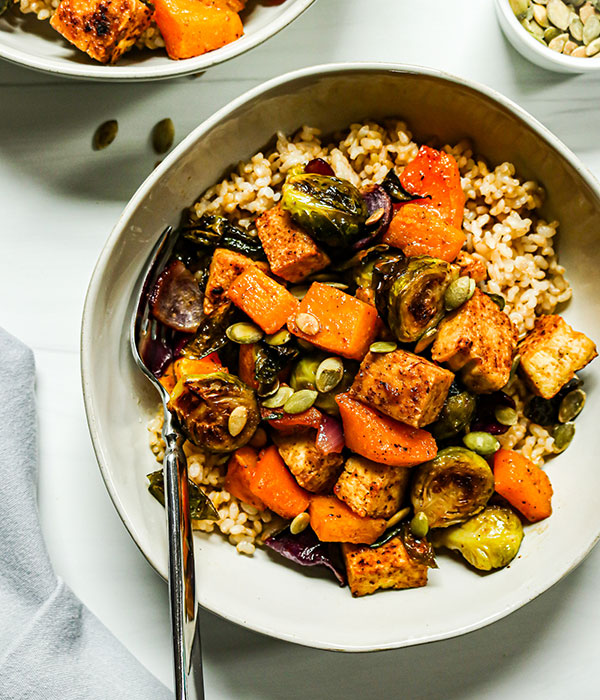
536 52
34 44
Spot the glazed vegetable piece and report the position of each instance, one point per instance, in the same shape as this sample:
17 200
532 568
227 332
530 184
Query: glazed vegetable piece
274 485
200 237
314 470
409 294
184 366
361 269
339 323
382 439
240 472
329 209
203 405
225 267
191 28
379 213
451 488
455 416
176 299
304 376
333 521
211 334
489 540
524 485
268 303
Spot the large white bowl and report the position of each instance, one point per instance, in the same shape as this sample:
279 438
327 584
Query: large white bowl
265 593
34 44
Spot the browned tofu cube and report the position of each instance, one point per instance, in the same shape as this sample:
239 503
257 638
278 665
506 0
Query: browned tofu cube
104 29
551 354
292 253
480 340
371 489
402 385
312 468
470 266
388 566
225 266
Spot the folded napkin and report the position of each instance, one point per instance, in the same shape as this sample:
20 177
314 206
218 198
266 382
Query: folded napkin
51 646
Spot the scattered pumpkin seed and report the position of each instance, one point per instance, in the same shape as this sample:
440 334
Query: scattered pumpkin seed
397 517
540 15
591 29
576 28
592 48
237 420
382 346
571 405
265 390
580 51
505 415
519 7
419 525
299 291
163 135
426 339
558 13
515 366
329 374
563 433
558 43
299 523
280 338
300 401
105 134
551 33
586 11
482 443
458 292
375 216
570 46
336 285
308 323
244 333
499 300
279 397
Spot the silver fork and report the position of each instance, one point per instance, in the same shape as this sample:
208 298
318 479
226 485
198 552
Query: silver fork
182 589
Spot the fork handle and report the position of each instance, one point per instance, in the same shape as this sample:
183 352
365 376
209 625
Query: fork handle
182 590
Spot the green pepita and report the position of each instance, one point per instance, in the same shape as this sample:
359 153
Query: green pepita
482 443
591 29
237 420
558 13
563 433
571 405
300 401
382 346
163 135
337 285
105 134
279 398
499 300
576 28
551 33
520 7
505 415
540 15
397 517
299 523
593 48
426 339
280 338
458 292
244 333
558 43
329 374
419 526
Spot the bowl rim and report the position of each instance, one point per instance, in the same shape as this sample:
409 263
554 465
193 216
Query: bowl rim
572 63
173 68
314 72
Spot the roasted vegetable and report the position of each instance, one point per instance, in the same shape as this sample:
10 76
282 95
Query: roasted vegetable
225 267
274 485
455 415
409 294
303 376
211 231
379 213
271 360
359 269
203 404
452 487
211 334
201 507
523 484
240 472
489 540
176 299
333 521
329 209
396 190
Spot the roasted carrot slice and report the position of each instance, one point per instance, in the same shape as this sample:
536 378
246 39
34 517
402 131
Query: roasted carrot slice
333 521
524 485
275 486
240 472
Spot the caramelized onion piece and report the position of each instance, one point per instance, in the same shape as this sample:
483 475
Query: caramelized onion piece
176 299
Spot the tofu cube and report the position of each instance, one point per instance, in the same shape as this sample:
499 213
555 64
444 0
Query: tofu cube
402 385
225 267
312 468
291 252
104 29
388 566
479 339
370 489
551 354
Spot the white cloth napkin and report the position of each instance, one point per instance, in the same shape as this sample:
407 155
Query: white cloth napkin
51 646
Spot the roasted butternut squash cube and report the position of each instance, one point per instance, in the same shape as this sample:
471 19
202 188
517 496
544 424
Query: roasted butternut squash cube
388 566
480 340
225 267
551 354
104 29
402 385
292 253
312 468
333 521
371 489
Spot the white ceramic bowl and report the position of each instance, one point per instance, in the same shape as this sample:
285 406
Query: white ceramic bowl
536 52
265 592
32 43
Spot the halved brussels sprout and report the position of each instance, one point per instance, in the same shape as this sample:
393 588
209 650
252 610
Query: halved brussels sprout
488 540
409 294
330 210
304 377
451 488
203 404
455 415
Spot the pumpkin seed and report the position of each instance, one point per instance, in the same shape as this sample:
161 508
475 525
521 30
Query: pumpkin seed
299 291
336 285
534 29
375 216
105 134
308 323
499 300
244 333
419 526
280 338
482 443
586 11
576 28
563 433
580 51
382 346
550 33
265 390
299 523
426 339
458 292
558 43
300 401
397 517
591 29
558 13
571 405
515 366
520 7
163 135
505 415
329 374
540 15
279 397
592 48
237 420
570 46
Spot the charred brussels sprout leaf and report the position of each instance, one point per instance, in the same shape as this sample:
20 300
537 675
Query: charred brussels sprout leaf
418 550
330 210
271 360
203 404
488 540
201 507
212 231
452 487
455 415
211 334
409 294
359 267
396 191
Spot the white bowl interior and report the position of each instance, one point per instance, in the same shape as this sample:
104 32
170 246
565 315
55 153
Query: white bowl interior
266 593
33 43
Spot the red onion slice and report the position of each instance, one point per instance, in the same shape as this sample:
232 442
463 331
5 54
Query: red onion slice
330 436
176 299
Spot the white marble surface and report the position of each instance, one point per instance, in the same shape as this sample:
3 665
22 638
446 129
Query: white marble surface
60 200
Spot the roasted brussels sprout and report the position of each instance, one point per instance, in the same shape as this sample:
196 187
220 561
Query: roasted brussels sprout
304 377
203 404
452 487
359 269
488 540
201 507
409 294
211 231
211 334
455 415
330 210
